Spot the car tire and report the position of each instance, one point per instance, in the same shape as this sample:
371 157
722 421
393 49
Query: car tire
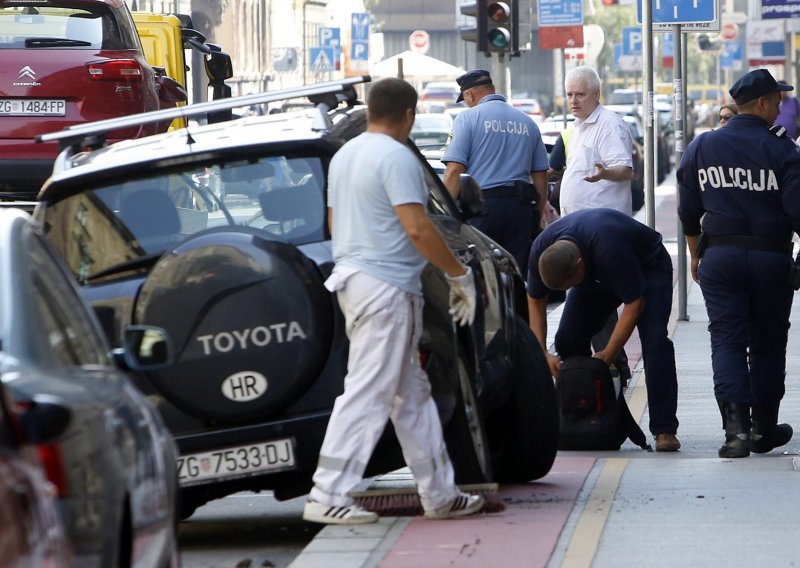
465 433
525 429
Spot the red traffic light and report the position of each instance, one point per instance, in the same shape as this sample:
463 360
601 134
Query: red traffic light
499 12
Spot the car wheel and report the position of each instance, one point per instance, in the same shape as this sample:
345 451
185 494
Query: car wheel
525 430
465 433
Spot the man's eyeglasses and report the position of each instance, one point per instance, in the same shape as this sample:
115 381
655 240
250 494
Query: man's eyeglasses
725 117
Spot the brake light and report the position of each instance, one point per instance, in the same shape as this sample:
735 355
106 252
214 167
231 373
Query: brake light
50 456
126 70
424 357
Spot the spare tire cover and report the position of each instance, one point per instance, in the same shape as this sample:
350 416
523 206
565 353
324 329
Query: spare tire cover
249 319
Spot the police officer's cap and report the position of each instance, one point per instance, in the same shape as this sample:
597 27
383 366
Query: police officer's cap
754 84
472 79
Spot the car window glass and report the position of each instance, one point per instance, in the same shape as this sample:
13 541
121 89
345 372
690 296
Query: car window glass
73 338
436 202
118 223
90 29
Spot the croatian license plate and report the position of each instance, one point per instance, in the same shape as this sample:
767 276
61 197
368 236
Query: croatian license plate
235 462
33 107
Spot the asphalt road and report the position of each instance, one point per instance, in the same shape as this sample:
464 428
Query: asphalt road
245 530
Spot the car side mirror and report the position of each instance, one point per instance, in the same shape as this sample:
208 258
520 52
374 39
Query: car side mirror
219 66
471 200
145 348
170 91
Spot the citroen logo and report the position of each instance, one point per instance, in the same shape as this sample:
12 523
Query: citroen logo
27 72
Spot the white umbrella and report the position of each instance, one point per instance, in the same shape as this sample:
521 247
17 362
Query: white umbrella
417 67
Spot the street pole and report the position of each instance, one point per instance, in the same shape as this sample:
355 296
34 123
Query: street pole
500 75
647 61
679 88
564 87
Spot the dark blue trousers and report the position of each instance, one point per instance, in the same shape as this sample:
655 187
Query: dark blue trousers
748 299
510 222
586 312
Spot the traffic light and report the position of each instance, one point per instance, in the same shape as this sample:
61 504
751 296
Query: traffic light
705 42
499 26
496 28
478 33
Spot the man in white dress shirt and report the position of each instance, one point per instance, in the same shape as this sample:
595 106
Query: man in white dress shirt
599 162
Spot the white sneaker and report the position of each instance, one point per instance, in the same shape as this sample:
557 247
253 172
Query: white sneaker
463 504
350 515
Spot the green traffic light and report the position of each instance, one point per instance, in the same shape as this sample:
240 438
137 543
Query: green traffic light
499 37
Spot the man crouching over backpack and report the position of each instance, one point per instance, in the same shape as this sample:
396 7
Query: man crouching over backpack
607 259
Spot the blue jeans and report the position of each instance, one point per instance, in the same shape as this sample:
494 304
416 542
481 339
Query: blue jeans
585 313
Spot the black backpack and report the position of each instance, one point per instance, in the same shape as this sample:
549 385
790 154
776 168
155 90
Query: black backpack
593 415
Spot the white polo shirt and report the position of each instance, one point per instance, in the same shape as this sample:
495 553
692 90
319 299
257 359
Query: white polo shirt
602 138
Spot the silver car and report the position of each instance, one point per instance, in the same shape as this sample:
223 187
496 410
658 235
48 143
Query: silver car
113 463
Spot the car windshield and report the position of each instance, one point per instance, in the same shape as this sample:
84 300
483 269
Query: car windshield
51 25
432 121
123 225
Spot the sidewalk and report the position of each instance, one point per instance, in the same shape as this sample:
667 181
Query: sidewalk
619 509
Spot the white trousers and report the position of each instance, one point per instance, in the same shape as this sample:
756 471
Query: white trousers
384 381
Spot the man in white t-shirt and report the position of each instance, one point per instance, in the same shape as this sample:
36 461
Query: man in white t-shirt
382 239
599 160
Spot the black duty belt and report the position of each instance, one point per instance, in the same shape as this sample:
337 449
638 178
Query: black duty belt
520 189
501 191
750 242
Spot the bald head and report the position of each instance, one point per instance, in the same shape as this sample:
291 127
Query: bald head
560 265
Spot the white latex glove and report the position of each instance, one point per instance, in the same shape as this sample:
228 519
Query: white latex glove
462 297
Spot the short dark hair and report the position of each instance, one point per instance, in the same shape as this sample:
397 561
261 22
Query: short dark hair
558 264
389 99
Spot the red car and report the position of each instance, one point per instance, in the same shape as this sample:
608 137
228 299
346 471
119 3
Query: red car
64 62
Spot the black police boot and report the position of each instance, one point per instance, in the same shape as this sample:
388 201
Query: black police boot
767 434
736 416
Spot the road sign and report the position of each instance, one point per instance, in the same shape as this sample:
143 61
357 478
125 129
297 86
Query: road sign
330 37
558 37
765 43
729 31
419 41
691 15
631 40
731 56
359 30
359 42
779 9
321 60
560 13
681 11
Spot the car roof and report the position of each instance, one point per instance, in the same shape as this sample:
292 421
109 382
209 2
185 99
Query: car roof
194 143
282 128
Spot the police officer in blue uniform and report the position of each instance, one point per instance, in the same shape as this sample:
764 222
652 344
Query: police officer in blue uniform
744 182
501 147
607 258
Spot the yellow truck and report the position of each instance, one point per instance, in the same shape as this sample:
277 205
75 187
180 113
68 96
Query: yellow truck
165 37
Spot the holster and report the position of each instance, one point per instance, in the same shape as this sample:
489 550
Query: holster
702 244
526 191
794 273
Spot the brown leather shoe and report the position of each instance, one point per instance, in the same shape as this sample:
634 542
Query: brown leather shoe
667 443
